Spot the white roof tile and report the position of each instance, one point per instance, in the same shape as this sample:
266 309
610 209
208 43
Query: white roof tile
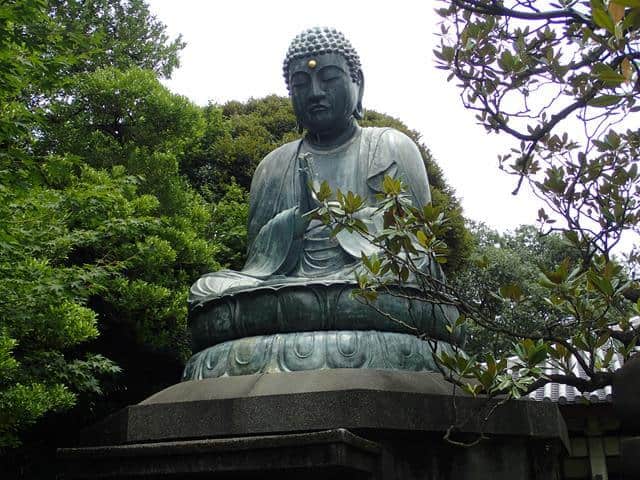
566 394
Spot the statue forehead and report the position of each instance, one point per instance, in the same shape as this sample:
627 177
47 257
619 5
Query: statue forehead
312 63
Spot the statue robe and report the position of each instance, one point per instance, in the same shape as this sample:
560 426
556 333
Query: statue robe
274 246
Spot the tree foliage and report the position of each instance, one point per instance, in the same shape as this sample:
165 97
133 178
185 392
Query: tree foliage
237 137
100 233
229 220
126 117
587 319
508 261
126 123
561 78
120 34
37 320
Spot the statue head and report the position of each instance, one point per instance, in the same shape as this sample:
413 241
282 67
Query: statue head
325 81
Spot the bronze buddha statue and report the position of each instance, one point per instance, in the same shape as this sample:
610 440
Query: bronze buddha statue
290 307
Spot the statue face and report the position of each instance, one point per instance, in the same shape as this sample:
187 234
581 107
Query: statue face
324 96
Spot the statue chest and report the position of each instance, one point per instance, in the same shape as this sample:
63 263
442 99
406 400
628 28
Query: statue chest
341 167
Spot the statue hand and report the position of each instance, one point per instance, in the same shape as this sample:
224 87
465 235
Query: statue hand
308 184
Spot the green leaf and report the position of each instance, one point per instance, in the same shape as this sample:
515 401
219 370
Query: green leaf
325 191
538 355
391 186
506 61
608 356
601 283
580 341
472 389
365 261
604 101
512 292
602 339
607 74
602 19
447 54
571 237
404 274
557 276
430 212
422 238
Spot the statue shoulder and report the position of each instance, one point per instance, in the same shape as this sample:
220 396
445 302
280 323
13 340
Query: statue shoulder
394 153
388 146
392 139
275 164
279 157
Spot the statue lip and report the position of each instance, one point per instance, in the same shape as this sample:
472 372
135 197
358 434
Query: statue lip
317 107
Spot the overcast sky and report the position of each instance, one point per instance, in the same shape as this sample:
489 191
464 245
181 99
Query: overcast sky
235 51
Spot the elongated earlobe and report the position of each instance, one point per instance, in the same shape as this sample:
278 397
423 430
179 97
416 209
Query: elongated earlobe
358 113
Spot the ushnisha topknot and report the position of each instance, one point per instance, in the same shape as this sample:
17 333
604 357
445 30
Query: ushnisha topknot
319 40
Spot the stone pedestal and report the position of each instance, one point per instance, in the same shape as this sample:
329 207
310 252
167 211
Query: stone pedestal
341 423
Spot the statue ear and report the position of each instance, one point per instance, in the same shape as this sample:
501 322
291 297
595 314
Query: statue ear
359 111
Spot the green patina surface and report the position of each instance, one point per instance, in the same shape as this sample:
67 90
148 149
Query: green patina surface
298 276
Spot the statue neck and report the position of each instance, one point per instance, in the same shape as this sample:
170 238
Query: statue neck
326 140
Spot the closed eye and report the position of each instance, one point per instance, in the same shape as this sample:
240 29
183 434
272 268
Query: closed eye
330 73
299 79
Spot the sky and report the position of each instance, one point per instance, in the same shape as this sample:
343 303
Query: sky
235 51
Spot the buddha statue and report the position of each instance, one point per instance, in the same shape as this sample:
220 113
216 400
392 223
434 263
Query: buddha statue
290 307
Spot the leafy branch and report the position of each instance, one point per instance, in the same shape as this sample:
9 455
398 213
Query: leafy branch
587 319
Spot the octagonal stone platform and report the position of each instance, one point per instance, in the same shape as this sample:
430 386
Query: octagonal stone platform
341 423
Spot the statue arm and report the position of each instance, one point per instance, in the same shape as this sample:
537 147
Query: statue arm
275 224
396 155
408 165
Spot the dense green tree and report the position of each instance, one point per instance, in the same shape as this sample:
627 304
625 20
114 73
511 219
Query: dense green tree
237 136
126 117
29 54
43 313
507 259
229 221
127 121
114 33
100 234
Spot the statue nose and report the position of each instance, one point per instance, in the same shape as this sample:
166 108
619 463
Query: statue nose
316 89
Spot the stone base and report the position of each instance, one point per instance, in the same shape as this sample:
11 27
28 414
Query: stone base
343 423
317 455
